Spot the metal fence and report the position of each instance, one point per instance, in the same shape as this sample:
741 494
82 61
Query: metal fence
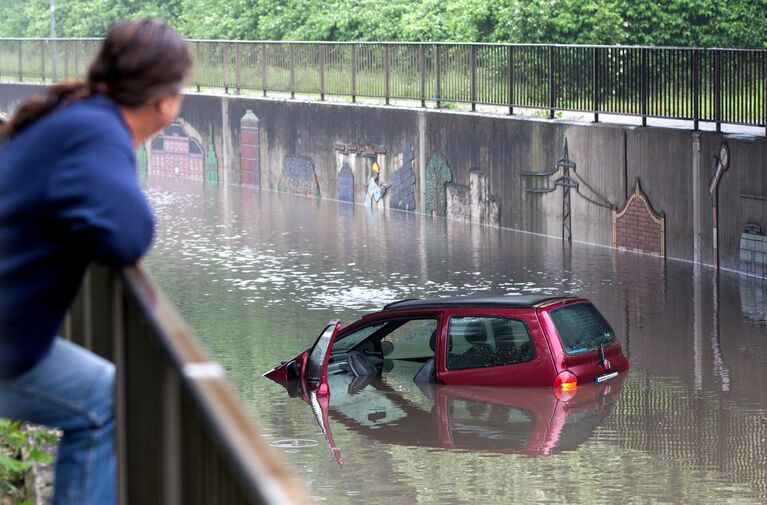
712 85
182 435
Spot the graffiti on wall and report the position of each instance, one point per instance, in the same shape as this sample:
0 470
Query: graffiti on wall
753 268
403 183
357 159
473 203
211 160
540 183
346 183
438 175
753 250
175 152
298 176
250 150
142 160
637 227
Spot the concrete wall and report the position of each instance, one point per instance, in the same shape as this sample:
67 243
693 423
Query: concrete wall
472 166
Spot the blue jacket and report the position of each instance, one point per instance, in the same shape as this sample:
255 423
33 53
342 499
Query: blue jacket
69 194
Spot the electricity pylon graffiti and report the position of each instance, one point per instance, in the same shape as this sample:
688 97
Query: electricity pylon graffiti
566 182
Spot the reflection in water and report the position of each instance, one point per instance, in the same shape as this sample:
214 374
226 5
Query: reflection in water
257 275
393 409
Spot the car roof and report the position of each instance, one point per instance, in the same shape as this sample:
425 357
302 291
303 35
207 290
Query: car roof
503 302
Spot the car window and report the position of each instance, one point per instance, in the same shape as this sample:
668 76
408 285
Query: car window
581 327
348 341
412 339
317 355
487 341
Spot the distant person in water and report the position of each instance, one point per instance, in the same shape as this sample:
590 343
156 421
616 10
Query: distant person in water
70 195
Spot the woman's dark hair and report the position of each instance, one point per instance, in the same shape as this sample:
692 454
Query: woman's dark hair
140 60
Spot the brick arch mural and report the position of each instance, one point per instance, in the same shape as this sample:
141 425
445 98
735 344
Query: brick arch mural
637 227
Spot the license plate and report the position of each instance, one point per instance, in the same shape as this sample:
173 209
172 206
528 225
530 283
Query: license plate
605 377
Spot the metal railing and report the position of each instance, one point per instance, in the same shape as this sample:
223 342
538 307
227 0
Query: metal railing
182 435
712 85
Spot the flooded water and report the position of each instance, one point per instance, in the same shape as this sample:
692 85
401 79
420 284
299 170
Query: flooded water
257 274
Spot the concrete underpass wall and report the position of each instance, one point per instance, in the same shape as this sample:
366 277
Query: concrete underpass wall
468 166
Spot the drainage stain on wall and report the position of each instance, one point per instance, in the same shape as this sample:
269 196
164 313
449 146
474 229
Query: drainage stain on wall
473 203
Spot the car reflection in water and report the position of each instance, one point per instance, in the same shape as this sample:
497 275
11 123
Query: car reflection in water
392 409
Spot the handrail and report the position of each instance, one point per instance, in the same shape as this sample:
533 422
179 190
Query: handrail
410 43
183 437
720 86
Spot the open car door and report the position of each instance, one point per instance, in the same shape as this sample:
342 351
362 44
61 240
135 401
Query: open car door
315 371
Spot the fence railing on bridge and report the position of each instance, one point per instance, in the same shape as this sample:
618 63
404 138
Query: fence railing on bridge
182 435
711 85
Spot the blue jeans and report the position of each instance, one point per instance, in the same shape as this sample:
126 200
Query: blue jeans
71 389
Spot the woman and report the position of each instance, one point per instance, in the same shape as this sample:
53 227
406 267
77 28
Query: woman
69 195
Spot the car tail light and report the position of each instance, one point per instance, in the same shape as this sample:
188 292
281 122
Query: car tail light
566 381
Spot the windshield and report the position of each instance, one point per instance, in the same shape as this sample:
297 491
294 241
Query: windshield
581 327
348 341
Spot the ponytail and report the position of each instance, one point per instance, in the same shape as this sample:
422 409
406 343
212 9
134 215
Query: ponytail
39 106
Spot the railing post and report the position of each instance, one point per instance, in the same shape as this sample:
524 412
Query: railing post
386 73
171 430
42 60
764 90
237 67
226 66
552 91
66 59
437 71
198 63
643 85
473 64
510 78
595 83
322 71
54 59
292 70
696 89
21 67
354 73
718 89
422 69
77 59
263 68
121 400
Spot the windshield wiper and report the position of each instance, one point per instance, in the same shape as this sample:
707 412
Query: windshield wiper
602 341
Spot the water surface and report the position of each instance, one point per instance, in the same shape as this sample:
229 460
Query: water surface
257 274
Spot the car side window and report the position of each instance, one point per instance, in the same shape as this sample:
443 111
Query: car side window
415 338
475 341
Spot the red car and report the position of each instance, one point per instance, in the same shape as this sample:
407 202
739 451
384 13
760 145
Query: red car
523 340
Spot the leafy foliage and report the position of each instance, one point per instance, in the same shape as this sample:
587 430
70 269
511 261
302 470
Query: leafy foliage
13 442
722 23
